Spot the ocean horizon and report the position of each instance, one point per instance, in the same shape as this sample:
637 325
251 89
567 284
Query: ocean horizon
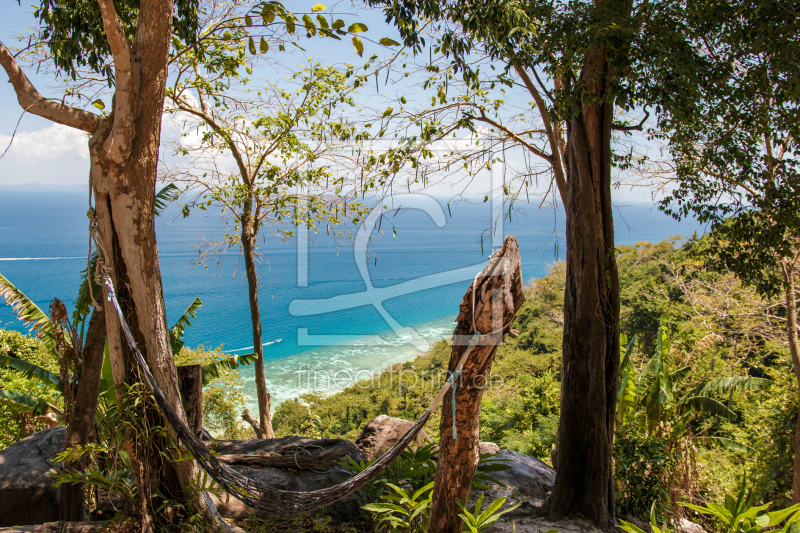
340 314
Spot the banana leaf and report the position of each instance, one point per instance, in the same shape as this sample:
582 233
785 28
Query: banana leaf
26 403
709 406
727 384
177 331
31 371
729 444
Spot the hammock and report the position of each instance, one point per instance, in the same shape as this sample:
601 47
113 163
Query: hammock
254 493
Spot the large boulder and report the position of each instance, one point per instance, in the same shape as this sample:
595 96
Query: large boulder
28 494
383 432
526 480
292 478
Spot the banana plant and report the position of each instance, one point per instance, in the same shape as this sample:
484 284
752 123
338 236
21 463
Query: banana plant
741 515
654 390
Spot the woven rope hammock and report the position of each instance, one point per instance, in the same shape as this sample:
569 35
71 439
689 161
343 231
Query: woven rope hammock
251 492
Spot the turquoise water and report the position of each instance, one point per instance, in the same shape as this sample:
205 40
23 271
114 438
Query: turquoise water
418 279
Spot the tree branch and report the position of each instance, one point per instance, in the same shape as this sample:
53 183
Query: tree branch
638 127
558 167
124 90
33 102
517 138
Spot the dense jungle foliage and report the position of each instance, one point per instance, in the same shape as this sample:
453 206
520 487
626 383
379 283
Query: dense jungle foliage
713 339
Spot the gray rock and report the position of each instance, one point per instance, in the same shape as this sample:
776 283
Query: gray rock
488 447
28 495
383 432
527 481
687 526
345 510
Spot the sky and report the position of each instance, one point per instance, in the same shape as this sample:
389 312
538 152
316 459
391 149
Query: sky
57 156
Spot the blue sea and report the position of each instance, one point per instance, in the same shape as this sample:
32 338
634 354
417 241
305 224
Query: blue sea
340 313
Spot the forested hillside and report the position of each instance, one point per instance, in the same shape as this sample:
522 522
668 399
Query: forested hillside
701 439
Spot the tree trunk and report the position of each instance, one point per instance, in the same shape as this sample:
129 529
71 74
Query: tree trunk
584 484
499 296
249 233
81 424
190 385
791 332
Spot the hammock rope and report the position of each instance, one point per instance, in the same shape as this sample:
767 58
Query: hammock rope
254 493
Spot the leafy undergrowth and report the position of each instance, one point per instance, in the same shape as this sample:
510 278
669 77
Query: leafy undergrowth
317 523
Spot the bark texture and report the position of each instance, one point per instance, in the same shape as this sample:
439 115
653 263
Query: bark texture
590 370
190 385
497 296
80 426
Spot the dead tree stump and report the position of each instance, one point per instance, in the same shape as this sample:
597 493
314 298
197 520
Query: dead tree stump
190 384
487 310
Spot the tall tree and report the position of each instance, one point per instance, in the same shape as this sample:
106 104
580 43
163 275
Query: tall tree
124 155
281 140
732 131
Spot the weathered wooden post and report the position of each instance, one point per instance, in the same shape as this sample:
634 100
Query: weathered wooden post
190 385
488 308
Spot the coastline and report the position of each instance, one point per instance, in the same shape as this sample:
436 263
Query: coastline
330 369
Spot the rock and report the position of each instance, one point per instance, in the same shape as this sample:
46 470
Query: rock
383 432
347 509
27 494
527 479
687 526
488 447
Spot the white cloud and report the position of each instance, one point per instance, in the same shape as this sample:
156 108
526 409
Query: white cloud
54 142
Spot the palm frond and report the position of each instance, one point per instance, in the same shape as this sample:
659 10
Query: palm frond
177 331
739 383
169 193
27 311
31 371
213 370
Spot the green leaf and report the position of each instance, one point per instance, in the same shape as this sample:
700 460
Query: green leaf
357 27
268 17
248 20
99 104
729 444
290 25
212 371
388 42
727 384
177 331
227 36
776 517
318 7
309 24
359 46
387 112
264 46
251 45
31 371
168 193
339 23
709 406
25 402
